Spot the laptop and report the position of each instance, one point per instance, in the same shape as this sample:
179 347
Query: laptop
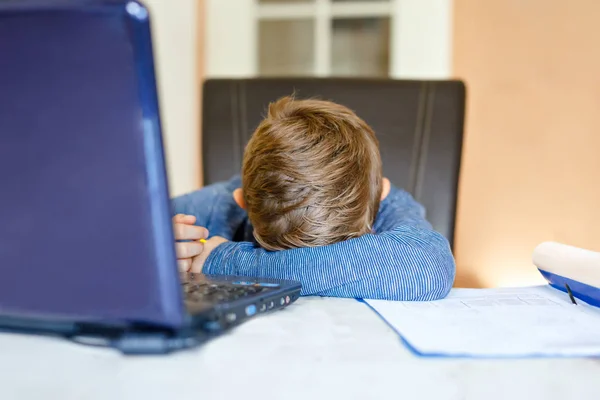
86 241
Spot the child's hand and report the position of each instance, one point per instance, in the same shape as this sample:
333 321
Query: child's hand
184 229
209 246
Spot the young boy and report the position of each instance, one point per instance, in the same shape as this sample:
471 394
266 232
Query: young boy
312 205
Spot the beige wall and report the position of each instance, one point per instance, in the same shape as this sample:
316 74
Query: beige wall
531 168
175 30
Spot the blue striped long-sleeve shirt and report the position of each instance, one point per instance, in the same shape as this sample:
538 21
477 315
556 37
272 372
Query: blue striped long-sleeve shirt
404 259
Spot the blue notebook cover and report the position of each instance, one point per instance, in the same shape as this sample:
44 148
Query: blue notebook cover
587 293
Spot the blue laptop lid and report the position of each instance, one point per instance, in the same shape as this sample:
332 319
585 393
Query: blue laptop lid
85 230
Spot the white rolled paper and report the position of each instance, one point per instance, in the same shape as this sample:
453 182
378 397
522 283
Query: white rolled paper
568 261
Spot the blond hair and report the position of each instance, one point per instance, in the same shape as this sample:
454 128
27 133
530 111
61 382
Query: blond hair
311 175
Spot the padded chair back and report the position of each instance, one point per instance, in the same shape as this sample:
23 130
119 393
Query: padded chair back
419 125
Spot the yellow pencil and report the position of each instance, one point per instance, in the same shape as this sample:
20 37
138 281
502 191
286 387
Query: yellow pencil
202 240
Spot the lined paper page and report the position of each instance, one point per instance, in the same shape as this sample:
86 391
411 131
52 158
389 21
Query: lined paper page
515 322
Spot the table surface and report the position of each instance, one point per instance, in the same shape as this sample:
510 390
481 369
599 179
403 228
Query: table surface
316 348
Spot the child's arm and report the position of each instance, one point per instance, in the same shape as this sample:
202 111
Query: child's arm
214 208
404 260
211 207
400 208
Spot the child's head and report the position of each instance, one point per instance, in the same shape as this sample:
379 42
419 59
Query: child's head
311 175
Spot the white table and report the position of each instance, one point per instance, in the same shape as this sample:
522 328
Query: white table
317 348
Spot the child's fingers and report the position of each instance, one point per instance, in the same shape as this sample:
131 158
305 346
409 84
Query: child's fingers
178 218
189 219
210 245
188 249
197 264
184 219
184 265
189 232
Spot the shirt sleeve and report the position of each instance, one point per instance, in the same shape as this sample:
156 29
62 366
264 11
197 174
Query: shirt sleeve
404 259
214 208
400 208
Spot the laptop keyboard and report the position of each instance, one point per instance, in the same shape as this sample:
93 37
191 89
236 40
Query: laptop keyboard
211 292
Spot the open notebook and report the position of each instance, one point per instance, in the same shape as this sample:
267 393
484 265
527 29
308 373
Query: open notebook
540 321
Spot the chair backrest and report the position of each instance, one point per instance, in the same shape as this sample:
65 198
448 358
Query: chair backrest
419 125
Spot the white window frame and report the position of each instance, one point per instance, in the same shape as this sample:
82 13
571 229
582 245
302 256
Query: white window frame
420 42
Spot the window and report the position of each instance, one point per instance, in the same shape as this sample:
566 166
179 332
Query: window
363 38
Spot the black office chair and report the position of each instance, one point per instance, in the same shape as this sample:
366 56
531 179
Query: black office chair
419 125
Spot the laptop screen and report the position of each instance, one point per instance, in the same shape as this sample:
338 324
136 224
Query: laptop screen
83 199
